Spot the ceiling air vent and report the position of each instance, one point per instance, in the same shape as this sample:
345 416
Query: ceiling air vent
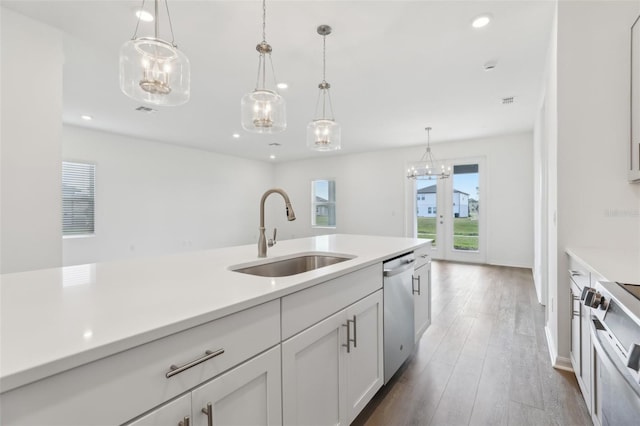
145 109
508 100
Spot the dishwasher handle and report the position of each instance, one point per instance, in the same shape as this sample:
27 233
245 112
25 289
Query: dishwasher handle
399 269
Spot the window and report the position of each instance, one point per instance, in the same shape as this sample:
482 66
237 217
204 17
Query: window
78 198
323 203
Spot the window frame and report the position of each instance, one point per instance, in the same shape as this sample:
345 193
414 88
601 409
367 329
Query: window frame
86 179
330 203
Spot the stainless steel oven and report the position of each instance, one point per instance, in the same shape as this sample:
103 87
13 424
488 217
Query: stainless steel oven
615 334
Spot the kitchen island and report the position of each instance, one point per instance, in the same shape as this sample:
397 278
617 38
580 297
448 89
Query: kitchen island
61 322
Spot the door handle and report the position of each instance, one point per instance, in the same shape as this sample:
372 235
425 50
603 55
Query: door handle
413 290
209 414
348 344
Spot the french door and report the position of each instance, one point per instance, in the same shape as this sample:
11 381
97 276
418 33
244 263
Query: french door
449 212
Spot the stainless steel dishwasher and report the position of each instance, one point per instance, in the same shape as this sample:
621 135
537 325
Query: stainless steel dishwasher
398 312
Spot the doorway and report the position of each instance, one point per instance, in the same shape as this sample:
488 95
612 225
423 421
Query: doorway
449 212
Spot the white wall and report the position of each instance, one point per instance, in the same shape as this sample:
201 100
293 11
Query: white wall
596 206
371 192
154 198
32 61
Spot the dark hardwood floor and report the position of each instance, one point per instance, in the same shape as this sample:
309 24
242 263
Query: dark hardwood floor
483 360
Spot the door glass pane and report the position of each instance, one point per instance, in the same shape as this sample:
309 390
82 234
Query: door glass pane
426 207
466 206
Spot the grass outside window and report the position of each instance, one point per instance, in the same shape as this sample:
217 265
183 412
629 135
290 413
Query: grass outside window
465 232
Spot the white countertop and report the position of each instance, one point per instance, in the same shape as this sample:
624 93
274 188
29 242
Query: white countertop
611 265
56 319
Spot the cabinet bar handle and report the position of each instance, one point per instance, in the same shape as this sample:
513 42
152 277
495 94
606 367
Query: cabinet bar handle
209 414
413 289
348 345
174 369
184 422
355 338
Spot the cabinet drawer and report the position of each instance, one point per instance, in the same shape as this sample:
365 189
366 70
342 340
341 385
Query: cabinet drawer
303 309
422 256
120 387
579 273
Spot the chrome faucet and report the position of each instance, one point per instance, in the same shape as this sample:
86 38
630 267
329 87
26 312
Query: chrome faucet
262 240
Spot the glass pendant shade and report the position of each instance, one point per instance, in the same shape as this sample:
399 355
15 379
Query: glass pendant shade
323 135
155 72
263 111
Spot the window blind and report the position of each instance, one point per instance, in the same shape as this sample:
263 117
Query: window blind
78 198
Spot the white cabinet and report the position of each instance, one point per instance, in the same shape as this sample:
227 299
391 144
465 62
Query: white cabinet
248 394
332 369
581 348
176 412
422 292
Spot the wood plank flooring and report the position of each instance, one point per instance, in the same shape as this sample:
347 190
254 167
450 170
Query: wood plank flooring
483 361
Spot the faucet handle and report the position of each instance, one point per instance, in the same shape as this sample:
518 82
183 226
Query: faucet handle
272 241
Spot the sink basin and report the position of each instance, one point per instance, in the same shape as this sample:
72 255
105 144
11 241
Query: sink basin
293 265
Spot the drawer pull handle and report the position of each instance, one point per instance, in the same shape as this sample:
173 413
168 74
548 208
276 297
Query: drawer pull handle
174 369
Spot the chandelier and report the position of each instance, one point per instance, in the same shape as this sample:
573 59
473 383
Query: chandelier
323 133
263 110
427 167
153 70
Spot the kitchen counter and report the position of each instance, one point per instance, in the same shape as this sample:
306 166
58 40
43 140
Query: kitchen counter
611 265
56 319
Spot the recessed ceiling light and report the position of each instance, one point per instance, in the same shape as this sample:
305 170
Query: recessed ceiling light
481 21
143 15
236 135
282 85
86 117
272 156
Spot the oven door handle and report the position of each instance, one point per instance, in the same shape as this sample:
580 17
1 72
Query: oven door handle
606 355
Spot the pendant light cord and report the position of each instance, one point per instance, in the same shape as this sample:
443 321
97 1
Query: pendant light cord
264 21
173 39
324 59
135 32
156 23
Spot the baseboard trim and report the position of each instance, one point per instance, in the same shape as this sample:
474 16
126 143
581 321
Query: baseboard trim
558 362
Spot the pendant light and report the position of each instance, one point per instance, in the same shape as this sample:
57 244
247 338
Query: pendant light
427 167
153 70
323 133
263 110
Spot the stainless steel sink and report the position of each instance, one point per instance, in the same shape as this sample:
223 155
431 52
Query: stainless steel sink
293 265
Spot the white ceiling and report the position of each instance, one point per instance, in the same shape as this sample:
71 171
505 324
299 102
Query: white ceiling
395 67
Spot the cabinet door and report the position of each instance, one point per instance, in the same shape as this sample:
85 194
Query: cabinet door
174 413
575 309
313 377
586 363
422 299
250 394
365 367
